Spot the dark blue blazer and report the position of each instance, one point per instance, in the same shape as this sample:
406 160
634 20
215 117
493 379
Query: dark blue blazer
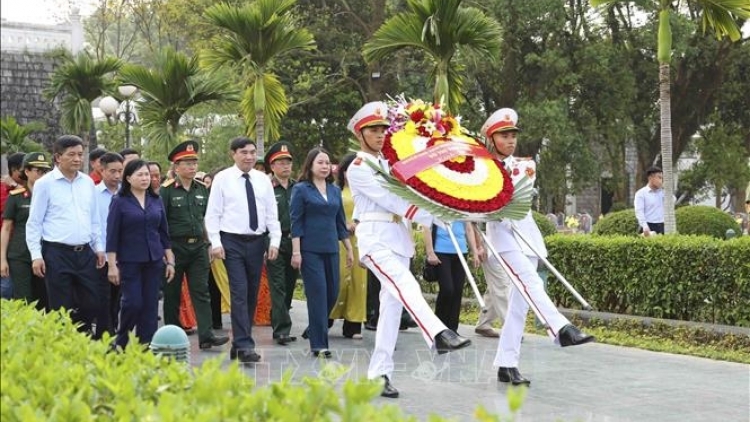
319 224
137 234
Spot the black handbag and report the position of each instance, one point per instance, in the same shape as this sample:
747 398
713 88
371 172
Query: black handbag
429 271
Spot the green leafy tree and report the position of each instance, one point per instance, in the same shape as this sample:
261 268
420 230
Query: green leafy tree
252 37
442 29
719 15
77 82
17 137
172 87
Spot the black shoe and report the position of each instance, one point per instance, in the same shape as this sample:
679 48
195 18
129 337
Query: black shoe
448 341
324 353
389 390
372 326
306 334
570 335
213 342
512 376
190 331
285 339
247 356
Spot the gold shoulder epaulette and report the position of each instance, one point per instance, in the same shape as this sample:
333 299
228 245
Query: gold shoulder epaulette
167 183
16 191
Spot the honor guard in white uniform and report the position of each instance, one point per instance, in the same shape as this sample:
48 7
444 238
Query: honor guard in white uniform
385 246
501 132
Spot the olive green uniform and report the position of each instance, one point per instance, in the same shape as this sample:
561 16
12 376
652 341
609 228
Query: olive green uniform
281 276
185 211
26 285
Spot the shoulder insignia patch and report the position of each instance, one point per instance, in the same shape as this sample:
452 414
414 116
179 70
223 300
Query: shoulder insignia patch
357 161
18 190
167 183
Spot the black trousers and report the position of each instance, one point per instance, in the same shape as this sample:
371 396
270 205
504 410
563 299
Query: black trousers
72 280
654 227
451 279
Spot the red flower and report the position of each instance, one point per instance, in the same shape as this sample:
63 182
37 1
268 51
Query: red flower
416 116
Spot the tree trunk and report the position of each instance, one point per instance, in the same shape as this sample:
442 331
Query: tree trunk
85 139
670 225
260 128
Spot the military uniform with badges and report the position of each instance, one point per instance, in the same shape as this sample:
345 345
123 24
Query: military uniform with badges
384 239
522 262
185 208
282 277
26 285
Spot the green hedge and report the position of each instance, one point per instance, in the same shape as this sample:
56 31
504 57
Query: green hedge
701 219
691 278
693 219
50 372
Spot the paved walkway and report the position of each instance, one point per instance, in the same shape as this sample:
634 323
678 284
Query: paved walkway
594 382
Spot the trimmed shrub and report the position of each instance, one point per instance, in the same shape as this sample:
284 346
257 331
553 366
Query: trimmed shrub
50 372
622 223
690 278
693 219
705 220
545 226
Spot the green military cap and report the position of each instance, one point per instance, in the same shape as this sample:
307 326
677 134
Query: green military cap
187 150
36 159
278 151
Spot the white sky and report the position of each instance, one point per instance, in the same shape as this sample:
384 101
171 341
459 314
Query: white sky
48 11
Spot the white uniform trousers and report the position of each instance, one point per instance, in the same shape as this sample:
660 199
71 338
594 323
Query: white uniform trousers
523 269
496 295
399 290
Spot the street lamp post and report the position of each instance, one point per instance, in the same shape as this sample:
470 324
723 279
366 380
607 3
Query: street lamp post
110 106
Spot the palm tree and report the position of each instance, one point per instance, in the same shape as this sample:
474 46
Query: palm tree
252 37
78 81
15 137
442 29
721 16
172 87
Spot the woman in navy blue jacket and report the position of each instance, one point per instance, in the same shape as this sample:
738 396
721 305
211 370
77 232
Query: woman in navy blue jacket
137 248
318 224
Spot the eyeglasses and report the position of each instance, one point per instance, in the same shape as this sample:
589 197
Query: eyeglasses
40 170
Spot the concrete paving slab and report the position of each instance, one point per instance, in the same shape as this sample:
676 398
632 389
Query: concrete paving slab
593 382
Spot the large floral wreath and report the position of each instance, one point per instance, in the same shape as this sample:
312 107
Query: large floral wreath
431 155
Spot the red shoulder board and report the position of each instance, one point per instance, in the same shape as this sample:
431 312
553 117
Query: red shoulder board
357 161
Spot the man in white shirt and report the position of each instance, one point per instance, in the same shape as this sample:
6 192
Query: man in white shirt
110 172
241 209
528 289
62 233
385 246
649 203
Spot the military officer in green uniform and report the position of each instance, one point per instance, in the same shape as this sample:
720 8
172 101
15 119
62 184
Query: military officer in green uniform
185 200
281 276
15 259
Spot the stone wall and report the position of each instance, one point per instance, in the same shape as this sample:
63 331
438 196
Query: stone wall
23 77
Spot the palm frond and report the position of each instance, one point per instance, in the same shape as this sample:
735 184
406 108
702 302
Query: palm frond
722 16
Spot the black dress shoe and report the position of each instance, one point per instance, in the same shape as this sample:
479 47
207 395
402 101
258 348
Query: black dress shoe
248 356
325 353
570 335
213 342
389 390
285 339
448 340
306 334
372 326
512 376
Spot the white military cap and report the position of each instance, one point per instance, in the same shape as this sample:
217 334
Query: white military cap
503 120
371 114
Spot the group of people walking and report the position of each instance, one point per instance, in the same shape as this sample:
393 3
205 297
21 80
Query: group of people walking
249 218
